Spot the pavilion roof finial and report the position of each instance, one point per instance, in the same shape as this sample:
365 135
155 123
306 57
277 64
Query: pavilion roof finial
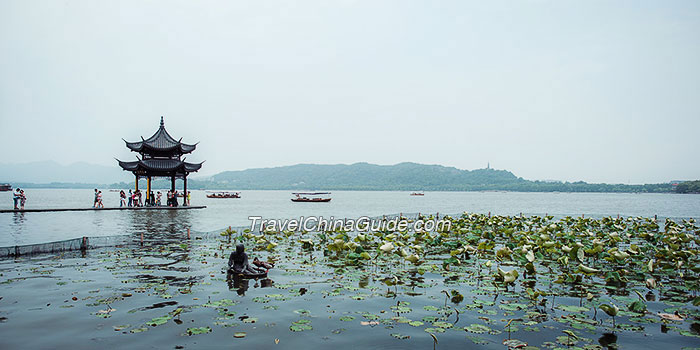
162 143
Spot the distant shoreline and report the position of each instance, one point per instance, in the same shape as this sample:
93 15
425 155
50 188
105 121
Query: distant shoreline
348 177
65 186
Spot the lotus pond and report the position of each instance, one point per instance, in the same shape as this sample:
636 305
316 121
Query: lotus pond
494 282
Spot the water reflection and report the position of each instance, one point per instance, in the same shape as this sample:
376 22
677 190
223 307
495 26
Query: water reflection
98 220
18 219
241 284
157 222
695 328
608 341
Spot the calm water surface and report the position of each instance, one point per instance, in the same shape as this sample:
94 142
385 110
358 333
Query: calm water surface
29 228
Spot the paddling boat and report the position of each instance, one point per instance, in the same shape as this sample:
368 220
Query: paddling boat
417 194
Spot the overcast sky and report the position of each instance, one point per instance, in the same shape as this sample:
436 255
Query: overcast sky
600 91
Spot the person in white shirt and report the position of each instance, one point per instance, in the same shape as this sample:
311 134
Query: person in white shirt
17 196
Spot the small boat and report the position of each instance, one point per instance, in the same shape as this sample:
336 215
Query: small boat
5 187
311 197
224 194
417 194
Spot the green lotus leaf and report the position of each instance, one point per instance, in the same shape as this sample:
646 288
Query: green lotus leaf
477 328
611 310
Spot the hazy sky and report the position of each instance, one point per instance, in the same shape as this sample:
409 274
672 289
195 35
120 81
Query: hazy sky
600 91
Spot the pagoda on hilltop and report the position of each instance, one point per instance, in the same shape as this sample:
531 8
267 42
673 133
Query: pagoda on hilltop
161 156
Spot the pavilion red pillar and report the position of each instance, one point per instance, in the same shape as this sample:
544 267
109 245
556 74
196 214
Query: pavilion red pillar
148 189
172 183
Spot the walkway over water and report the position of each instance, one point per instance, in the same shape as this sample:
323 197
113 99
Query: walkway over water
99 209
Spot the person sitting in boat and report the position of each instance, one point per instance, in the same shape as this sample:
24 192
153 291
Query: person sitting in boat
238 263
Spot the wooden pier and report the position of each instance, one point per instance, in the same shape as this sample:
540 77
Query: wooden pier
45 210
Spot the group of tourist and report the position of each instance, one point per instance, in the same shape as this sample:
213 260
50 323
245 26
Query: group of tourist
19 198
135 199
98 200
172 198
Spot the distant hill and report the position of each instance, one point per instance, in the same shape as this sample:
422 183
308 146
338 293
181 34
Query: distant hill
51 172
688 187
403 177
363 176
302 177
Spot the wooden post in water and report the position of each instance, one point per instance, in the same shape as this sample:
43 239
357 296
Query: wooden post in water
489 215
184 198
142 238
188 233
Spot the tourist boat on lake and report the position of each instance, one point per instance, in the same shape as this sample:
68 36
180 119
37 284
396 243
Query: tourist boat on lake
5 187
224 194
417 194
312 197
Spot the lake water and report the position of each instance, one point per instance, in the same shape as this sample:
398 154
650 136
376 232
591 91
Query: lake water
29 228
164 291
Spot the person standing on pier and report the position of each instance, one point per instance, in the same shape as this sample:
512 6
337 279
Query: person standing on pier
94 205
99 200
22 199
16 197
158 198
122 198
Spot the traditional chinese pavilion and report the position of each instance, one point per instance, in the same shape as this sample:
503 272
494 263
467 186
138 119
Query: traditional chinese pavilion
161 156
